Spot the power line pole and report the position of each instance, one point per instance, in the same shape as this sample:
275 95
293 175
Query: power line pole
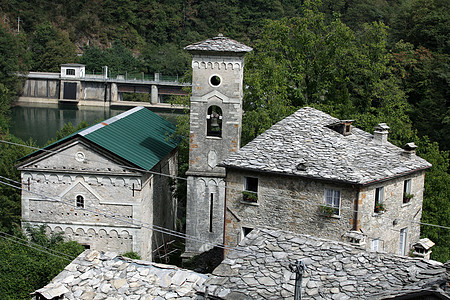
18 24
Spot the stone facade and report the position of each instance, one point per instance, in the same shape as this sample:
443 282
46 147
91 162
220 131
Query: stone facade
386 225
306 175
93 197
286 203
294 204
215 131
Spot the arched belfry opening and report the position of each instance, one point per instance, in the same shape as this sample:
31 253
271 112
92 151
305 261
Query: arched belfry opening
214 121
215 133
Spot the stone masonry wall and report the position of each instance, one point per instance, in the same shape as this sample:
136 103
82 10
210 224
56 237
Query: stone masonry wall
106 187
286 203
406 215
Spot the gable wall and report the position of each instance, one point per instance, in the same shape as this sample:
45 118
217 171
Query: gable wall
286 203
106 187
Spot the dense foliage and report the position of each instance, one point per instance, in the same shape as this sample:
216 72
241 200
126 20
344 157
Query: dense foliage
368 60
28 262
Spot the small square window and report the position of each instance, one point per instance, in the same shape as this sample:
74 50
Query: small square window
250 193
70 72
333 199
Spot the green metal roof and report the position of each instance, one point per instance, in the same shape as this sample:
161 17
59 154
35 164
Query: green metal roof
138 135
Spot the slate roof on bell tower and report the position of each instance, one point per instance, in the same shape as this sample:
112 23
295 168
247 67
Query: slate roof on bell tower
219 44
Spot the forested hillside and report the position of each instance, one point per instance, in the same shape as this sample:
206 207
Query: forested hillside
368 60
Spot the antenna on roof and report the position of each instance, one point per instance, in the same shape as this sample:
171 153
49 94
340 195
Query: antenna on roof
299 268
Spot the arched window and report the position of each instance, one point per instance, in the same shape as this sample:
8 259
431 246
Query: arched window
214 121
80 201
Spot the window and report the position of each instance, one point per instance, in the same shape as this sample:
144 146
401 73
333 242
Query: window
250 193
379 199
214 121
333 199
403 239
80 201
407 196
375 245
245 232
70 72
215 80
211 211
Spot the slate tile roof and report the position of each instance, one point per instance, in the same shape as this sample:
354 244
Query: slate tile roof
259 269
303 145
99 275
219 44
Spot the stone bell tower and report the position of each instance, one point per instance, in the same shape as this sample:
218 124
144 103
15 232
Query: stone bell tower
215 132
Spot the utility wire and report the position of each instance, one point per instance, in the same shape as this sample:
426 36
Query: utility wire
37 245
35 248
132 222
228 188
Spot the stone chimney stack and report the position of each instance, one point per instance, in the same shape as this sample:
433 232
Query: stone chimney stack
409 149
381 132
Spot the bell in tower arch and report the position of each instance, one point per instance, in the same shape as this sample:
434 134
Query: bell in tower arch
214 121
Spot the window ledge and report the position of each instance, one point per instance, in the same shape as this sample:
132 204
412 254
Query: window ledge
377 214
213 137
331 217
406 204
249 203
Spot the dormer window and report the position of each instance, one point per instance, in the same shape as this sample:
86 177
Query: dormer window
214 121
70 72
344 127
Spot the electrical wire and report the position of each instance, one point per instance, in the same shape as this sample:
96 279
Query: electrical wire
35 248
37 245
182 178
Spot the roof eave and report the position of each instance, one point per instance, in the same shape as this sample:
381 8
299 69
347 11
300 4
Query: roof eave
354 183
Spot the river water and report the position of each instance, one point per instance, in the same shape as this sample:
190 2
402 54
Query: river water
41 121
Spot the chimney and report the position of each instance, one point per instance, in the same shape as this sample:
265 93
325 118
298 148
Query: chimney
409 149
381 132
422 248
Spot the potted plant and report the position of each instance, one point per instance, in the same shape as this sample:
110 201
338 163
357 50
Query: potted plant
379 207
407 197
250 196
326 210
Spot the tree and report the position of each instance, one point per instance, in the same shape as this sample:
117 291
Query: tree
425 79
309 61
25 263
13 59
436 204
50 48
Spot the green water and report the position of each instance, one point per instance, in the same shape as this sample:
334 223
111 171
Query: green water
41 121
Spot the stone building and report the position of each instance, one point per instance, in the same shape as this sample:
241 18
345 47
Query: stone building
215 132
100 186
315 174
309 173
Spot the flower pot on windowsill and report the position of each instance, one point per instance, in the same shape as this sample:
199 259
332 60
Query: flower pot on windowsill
379 208
250 196
407 197
326 211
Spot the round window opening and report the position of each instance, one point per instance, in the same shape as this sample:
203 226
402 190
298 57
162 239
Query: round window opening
79 156
215 80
